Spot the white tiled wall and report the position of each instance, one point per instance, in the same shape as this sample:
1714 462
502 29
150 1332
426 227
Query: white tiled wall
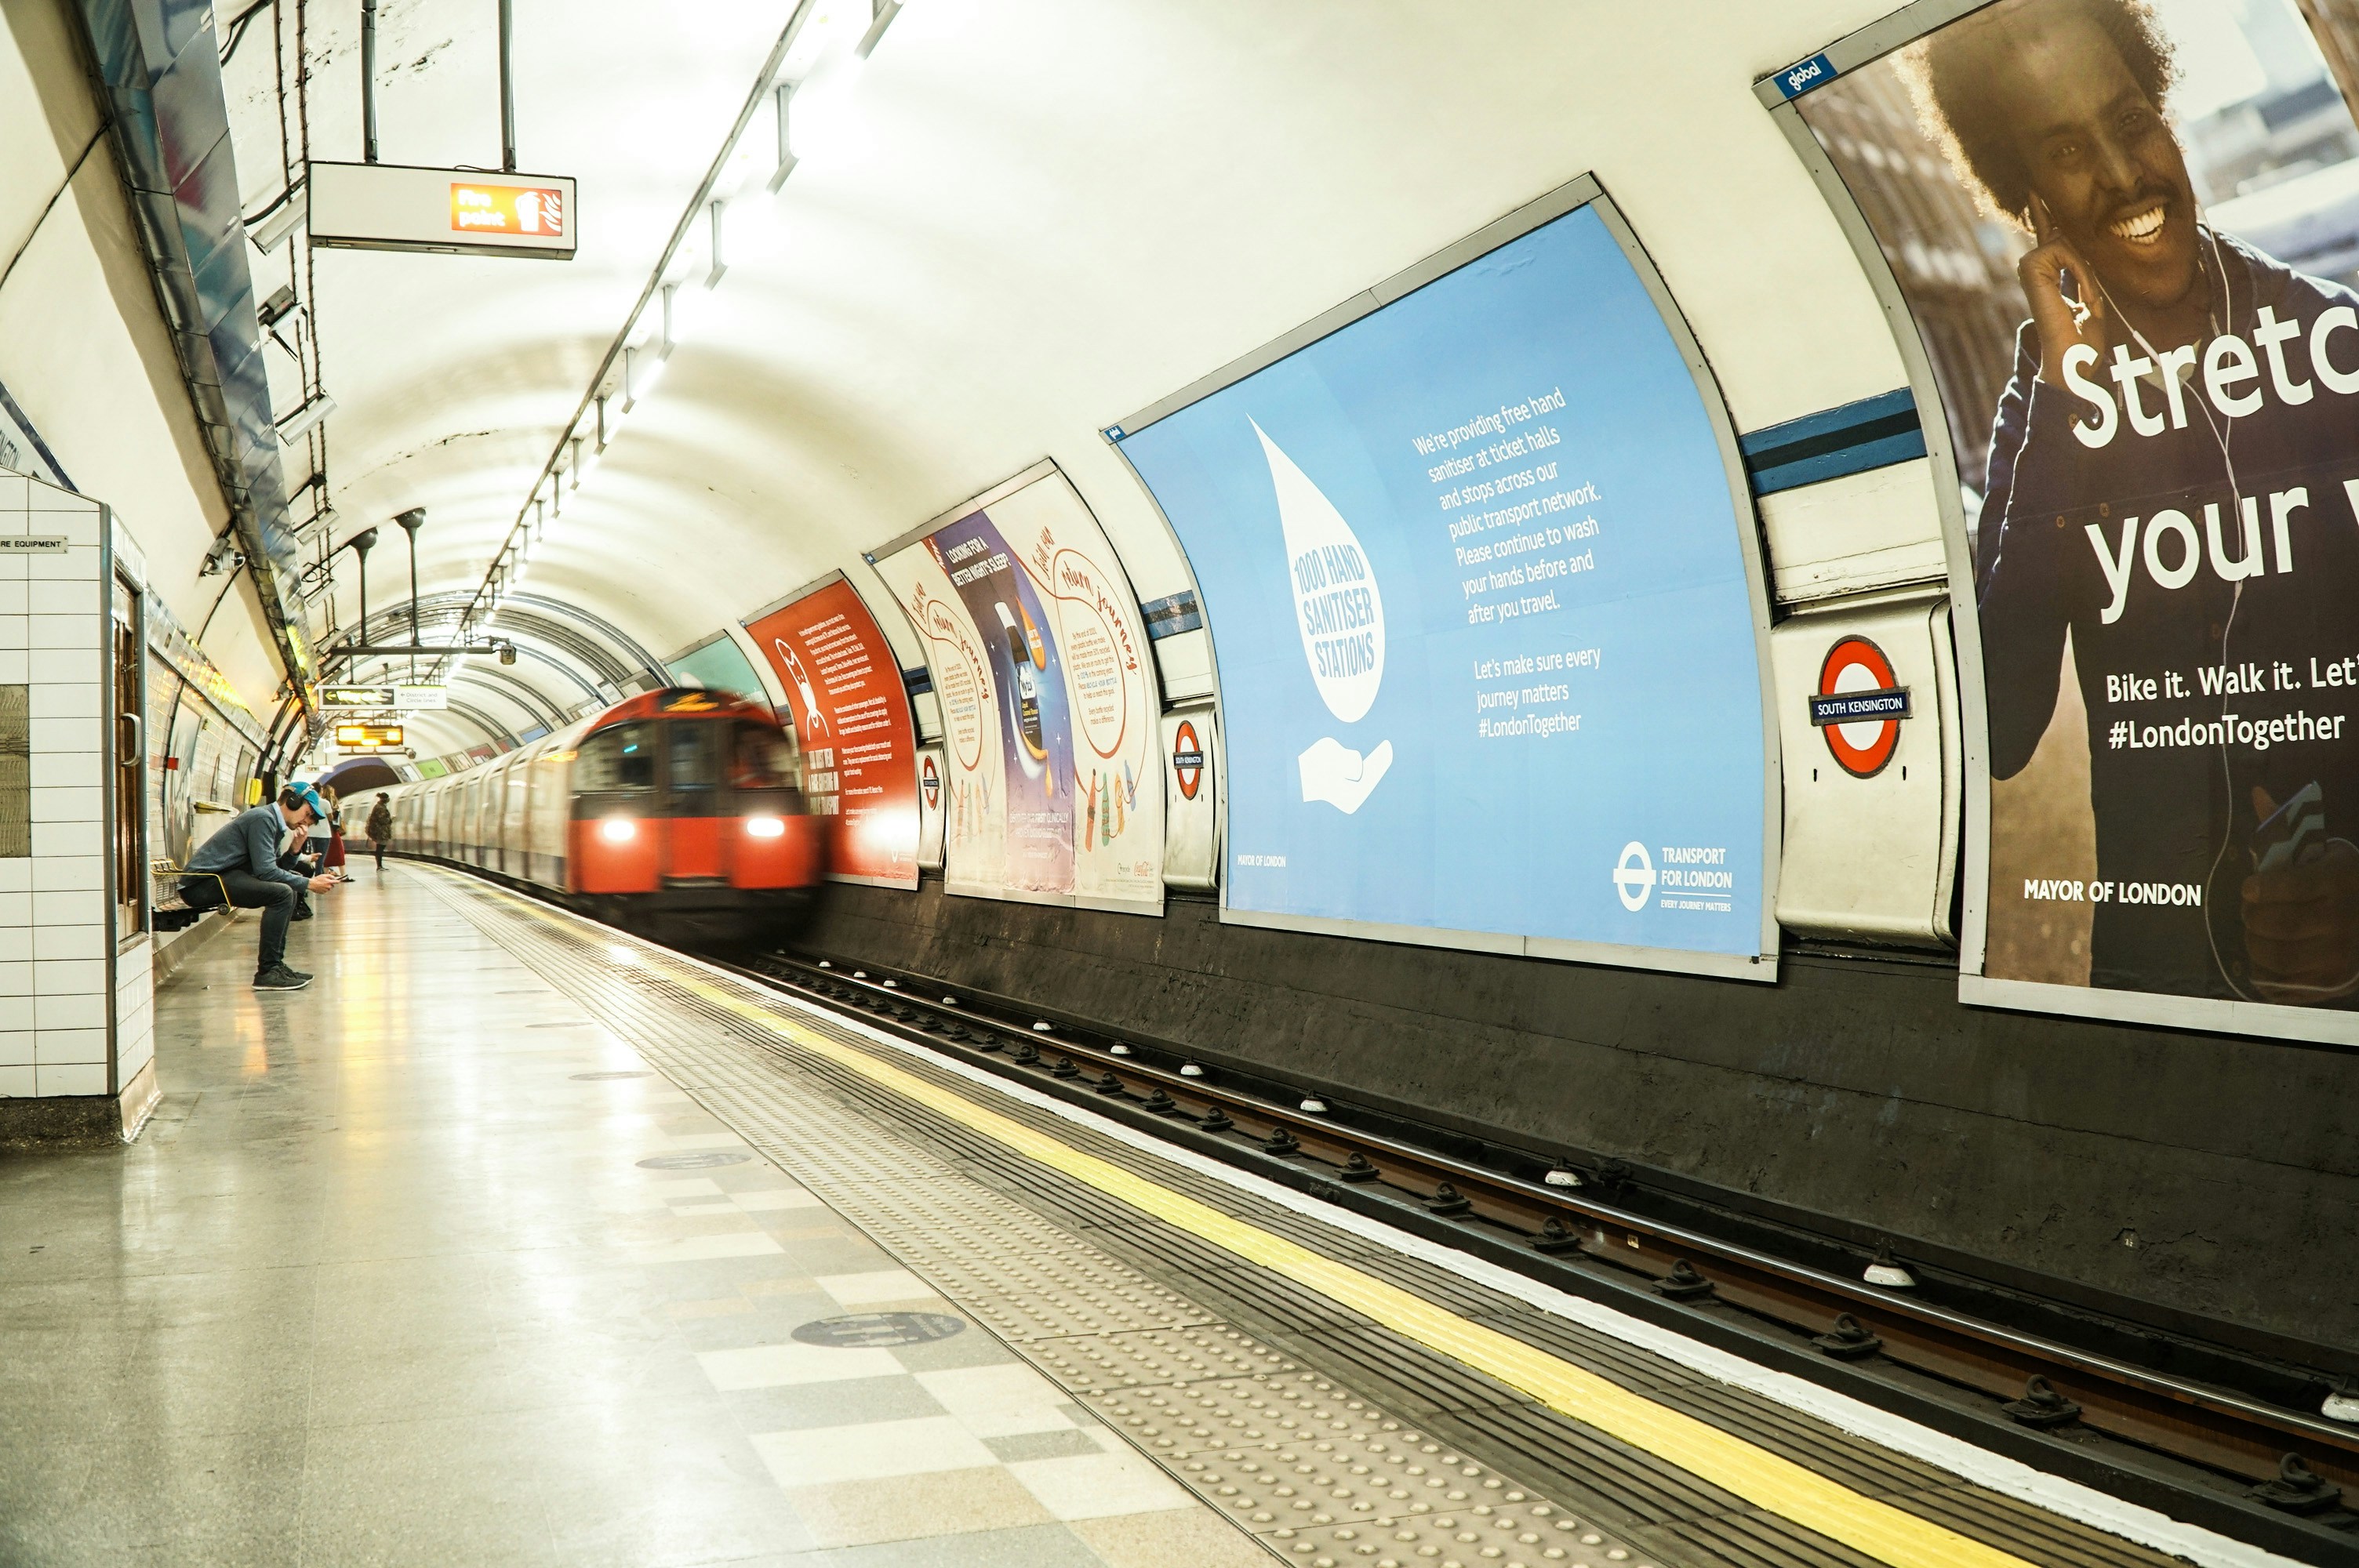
54 922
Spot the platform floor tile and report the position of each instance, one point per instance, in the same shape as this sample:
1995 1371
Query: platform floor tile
425 1265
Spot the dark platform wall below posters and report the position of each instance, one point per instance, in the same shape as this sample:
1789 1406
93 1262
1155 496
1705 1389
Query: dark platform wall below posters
2207 1175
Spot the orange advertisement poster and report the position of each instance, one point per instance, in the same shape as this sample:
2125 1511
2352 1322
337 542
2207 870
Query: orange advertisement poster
851 715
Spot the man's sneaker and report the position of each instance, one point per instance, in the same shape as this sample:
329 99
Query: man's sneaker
279 978
302 914
299 974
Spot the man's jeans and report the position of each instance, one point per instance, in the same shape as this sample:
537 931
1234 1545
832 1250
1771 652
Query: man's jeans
305 866
247 890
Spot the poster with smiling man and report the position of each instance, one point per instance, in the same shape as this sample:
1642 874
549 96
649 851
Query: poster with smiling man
2151 369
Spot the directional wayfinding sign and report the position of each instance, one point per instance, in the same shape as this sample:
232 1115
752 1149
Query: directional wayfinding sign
394 207
374 698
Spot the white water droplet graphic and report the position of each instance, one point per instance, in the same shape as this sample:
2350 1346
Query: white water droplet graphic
1337 606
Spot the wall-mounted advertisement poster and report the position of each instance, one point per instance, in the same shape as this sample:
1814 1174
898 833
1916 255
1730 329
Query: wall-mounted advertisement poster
851 714
1480 573
1048 703
2127 233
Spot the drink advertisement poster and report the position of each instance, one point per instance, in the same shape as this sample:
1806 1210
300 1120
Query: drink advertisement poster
1039 659
1486 615
2121 231
851 716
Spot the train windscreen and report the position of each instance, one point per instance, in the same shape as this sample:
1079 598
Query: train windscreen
760 758
623 758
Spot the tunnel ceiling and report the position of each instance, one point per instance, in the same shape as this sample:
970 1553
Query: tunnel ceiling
1011 225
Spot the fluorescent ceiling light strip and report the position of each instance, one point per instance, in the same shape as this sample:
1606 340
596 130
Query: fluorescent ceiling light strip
764 82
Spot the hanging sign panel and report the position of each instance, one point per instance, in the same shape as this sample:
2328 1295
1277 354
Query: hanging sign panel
2125 242
1039 659
1480 572
852 716
396 207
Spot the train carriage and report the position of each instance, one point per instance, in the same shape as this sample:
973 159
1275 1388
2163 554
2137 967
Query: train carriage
679 812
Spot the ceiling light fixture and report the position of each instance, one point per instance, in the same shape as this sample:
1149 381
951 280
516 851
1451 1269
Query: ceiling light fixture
641 370
280 218
642 363
292 428
785 92
881 15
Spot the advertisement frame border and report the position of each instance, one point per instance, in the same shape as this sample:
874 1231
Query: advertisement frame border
1582 190
738 630
1864 45
982 501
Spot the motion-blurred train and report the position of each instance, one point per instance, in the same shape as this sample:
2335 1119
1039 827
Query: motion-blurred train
679 813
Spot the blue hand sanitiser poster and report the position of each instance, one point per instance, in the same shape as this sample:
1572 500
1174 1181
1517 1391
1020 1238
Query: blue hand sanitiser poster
1486 615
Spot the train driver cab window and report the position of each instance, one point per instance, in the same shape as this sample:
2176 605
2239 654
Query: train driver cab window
623 758
693 764
760 758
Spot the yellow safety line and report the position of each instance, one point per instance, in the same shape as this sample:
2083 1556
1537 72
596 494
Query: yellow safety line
1766 1480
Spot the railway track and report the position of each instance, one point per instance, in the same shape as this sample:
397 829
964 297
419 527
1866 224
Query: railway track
2290 1477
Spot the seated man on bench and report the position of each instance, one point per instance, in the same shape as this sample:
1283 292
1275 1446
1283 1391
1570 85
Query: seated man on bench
244 864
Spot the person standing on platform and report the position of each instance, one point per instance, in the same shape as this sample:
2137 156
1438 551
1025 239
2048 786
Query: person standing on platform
243 862
380 828
322 831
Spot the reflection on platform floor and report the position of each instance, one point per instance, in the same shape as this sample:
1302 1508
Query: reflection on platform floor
518 1240
404 1272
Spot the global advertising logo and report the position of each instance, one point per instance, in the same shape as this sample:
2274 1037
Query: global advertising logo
1340 613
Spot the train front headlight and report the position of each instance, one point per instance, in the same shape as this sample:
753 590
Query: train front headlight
764 828
618 830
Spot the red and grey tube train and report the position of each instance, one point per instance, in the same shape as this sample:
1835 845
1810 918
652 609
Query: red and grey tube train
679 813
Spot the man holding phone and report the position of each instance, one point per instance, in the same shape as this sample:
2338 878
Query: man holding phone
243 862
2168 485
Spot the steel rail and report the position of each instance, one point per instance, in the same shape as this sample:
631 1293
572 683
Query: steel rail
2214 1428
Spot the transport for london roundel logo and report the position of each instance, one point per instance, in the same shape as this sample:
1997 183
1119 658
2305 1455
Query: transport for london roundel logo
1187 759
1634 876
933 786
1856 678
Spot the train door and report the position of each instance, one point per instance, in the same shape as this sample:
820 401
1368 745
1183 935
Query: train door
516 816
499 816
691 799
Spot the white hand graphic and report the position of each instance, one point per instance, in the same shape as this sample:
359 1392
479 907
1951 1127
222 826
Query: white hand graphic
1337 775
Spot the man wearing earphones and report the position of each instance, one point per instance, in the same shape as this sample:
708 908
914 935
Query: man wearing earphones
2165 485
244 864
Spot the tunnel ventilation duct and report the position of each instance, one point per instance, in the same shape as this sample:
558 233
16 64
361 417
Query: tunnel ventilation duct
158 69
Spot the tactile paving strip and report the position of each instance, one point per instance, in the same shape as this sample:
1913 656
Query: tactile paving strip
898 1168
1307 1467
